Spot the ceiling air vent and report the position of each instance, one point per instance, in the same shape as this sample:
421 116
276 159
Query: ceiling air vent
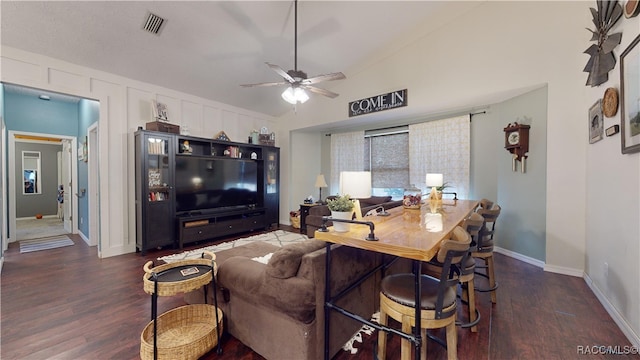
153 23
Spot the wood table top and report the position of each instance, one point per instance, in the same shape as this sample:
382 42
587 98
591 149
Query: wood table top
409 233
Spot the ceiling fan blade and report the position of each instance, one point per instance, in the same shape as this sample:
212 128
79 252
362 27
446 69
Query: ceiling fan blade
323 77
281 72
266 84
320 91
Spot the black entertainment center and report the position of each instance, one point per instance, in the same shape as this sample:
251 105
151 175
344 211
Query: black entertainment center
192 189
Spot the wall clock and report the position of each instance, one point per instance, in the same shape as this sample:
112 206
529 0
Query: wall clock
516 141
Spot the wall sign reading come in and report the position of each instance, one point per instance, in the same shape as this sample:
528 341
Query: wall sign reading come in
377 103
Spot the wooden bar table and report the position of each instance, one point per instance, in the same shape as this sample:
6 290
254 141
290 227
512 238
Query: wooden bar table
408 233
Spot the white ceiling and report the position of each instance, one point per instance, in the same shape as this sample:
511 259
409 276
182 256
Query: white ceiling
209 48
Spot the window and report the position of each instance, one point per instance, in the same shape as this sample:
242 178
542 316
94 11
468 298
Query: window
386 155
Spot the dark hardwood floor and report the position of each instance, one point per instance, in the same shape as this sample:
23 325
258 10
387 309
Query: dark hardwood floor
67 304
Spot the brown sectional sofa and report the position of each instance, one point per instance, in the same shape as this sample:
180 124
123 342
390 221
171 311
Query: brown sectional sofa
314 219
277 308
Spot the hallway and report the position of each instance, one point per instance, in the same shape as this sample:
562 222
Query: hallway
38 228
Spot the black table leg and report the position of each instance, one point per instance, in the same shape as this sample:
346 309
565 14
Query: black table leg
417 269
215 302
327 297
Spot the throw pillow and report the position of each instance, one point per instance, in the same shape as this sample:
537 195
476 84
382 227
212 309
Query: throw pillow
284 263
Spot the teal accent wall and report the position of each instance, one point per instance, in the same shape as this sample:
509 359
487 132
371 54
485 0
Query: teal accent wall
4 212
88 114
30 114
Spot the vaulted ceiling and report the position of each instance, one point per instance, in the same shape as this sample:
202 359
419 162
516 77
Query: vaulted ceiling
209 48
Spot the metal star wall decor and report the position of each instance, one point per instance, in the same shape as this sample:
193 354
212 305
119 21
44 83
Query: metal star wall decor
602 59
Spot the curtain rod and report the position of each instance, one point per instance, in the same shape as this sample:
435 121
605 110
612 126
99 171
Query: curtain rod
400 126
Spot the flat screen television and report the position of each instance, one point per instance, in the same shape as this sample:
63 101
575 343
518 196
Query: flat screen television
207 184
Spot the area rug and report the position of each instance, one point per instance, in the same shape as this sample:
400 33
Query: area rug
278 238
33 228
358 337
47 243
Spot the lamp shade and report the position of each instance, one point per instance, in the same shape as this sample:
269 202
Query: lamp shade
434 180
355 183
321 182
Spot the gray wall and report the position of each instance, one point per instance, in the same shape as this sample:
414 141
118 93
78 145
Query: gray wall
521 227
45 203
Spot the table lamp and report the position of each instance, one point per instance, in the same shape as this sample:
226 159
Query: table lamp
358 185
434 180
320 183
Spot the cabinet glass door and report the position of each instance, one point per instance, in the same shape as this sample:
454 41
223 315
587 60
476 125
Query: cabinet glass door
158 169
271 160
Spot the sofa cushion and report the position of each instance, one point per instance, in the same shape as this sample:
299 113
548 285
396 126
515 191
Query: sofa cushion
284 262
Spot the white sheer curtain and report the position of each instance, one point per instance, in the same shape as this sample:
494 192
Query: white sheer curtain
444 147
347 154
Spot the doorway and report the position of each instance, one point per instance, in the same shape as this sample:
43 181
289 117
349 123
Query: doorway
39 214
68 118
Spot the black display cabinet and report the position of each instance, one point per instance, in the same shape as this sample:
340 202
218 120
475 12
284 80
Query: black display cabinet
155 198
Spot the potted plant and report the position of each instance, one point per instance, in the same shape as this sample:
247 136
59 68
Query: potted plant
341 208
442 187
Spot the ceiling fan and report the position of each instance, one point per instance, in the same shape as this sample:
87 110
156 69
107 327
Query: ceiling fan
297 79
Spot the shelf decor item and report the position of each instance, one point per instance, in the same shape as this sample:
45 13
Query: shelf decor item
221 135
629 95
159 110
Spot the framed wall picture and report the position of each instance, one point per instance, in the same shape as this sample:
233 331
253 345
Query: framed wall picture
596 123
630 97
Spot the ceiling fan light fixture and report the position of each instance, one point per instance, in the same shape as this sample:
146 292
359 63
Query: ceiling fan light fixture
295 95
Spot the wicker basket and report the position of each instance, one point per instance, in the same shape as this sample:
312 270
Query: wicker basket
174 287
295 221
187 332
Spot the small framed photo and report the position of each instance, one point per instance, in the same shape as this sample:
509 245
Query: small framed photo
596 123
189 271
630 97
159 111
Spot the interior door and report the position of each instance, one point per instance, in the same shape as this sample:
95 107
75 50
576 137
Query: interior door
66 183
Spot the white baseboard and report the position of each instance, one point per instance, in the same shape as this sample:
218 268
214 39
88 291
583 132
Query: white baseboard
86 239
115 251
517 256
564 270
33 217
613 312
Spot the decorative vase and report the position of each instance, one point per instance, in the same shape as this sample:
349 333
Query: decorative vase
412 198
343 215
